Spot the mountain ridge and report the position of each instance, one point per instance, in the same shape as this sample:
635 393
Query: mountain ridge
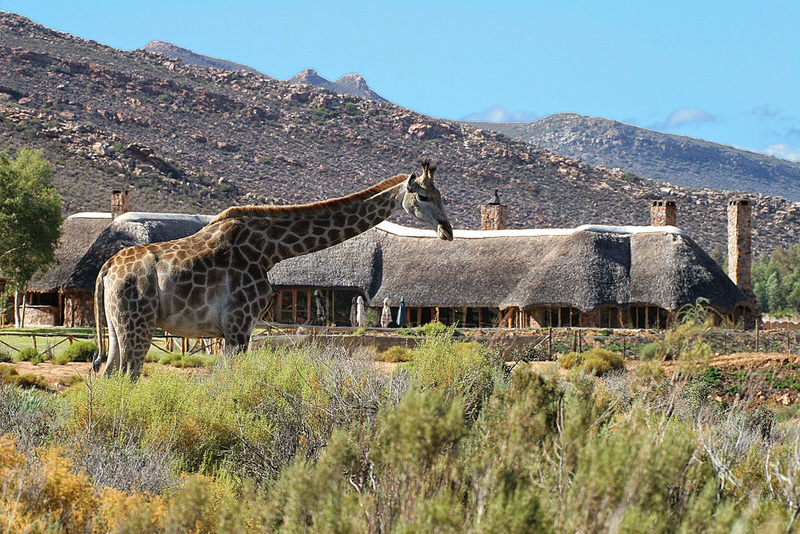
673 158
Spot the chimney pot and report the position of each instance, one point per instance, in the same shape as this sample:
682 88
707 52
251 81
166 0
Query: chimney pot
494 215
119 203
663 213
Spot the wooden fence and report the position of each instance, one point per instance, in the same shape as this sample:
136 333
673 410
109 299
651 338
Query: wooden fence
545 344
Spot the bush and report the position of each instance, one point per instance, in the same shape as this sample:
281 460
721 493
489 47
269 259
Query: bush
10 377
176 359
434 328
457 369
650 351
397 353
29 354
82 351
595 361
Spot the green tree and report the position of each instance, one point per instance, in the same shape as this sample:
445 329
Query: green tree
776 281
30 221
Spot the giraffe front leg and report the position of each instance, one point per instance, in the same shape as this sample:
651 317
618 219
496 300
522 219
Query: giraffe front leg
237 334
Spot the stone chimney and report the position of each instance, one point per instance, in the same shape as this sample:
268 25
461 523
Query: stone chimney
119 203
739 247
663 213
494 214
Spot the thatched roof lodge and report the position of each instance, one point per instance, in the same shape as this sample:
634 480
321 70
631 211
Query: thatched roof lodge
601 276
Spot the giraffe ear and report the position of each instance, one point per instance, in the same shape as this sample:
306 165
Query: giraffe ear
412 184
427 173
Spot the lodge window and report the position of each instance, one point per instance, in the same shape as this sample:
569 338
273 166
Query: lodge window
647 317
297 306
42 299
464 317
294 306
561 317
611 318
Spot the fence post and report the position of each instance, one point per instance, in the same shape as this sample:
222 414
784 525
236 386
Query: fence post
758 332
550 343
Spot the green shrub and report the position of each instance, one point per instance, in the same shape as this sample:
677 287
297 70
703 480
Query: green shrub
434 328
456 368
650 351
595 361
570 360
30 380
81 351
396 353
601 361
71 380
176 359
8 375
29 354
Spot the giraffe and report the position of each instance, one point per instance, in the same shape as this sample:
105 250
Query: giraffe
214 283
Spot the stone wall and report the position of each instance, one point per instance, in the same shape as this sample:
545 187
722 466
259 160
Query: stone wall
78 308
42 315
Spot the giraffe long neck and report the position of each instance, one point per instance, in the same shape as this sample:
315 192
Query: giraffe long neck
294 231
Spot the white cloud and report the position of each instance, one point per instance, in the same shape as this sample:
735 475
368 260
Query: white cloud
684 116
782 150
498 114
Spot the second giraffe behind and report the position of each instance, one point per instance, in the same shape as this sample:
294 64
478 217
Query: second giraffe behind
214 283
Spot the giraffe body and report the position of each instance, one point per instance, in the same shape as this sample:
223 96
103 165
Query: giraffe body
214 283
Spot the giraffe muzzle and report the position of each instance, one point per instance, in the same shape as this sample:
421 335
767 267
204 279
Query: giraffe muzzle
445 231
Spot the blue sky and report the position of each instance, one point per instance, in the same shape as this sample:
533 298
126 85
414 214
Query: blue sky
726 71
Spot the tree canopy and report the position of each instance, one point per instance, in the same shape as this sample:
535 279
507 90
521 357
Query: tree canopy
30 217
776 281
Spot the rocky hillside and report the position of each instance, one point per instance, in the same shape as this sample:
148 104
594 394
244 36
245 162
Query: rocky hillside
196 139
671 158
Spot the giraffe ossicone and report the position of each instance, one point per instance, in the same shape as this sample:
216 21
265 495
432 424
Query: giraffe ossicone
214 283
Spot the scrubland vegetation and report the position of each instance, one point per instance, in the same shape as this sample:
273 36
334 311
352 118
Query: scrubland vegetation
313 439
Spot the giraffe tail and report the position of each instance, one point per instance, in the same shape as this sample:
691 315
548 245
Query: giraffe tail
99 320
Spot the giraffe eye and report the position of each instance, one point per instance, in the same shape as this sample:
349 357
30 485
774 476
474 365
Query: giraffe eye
422 197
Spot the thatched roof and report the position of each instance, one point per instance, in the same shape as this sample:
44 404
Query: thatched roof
583 267
89 239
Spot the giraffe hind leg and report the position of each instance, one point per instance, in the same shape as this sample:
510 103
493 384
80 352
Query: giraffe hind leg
112 360
133 352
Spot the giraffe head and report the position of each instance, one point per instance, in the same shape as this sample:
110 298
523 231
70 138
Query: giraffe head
424 202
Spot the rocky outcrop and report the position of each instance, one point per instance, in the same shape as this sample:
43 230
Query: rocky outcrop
349 84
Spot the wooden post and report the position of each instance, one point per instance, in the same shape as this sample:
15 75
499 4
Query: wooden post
33 336
550 343
758 332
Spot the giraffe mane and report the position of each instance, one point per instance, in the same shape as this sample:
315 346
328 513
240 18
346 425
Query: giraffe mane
303 209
